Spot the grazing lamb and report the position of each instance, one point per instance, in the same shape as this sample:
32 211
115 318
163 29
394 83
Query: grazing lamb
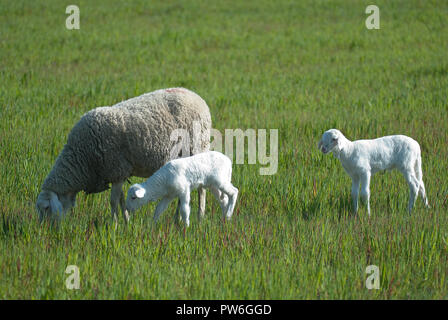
363 158
131 138
179 177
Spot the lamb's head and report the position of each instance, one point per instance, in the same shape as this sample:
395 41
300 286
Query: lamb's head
332 140
51 205
137 196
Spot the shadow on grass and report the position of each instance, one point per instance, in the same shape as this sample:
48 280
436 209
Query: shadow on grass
344 207
311 210
341 206
11 226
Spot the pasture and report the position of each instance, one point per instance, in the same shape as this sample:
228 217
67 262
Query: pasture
301 67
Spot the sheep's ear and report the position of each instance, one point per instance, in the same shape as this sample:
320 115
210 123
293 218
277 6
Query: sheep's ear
140 193
319 145
55 204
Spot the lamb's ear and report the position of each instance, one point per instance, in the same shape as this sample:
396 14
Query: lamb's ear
55 204
140 193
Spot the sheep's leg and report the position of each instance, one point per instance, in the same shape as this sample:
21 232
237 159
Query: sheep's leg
115 196
201 201
161 206
232 193
185 207
123 206
365 190
355 193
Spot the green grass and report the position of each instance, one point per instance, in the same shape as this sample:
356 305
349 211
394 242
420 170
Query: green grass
299 67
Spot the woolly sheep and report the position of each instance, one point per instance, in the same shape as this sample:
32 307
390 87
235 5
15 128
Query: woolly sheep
363 158
131 138
179 177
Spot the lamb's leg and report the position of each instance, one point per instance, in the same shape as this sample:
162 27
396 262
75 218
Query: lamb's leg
355 193
232 193
177 216
221 197
413 187
225 200
161 206
423 194
419 175
201 201
185 207
365 190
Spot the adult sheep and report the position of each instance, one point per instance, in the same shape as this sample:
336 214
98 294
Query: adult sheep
131 138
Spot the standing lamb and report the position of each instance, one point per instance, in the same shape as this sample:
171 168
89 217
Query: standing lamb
131 138
179 177
363 158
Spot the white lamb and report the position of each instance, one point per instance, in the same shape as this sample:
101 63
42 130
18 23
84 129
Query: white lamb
177 178
363 158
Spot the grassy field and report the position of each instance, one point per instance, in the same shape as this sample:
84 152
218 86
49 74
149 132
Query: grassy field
297 66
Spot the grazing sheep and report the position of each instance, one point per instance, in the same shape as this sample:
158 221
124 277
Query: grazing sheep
179 177
363 158
131 138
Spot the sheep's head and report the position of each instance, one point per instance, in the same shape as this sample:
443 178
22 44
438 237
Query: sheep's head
331 141
137 196
51 205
